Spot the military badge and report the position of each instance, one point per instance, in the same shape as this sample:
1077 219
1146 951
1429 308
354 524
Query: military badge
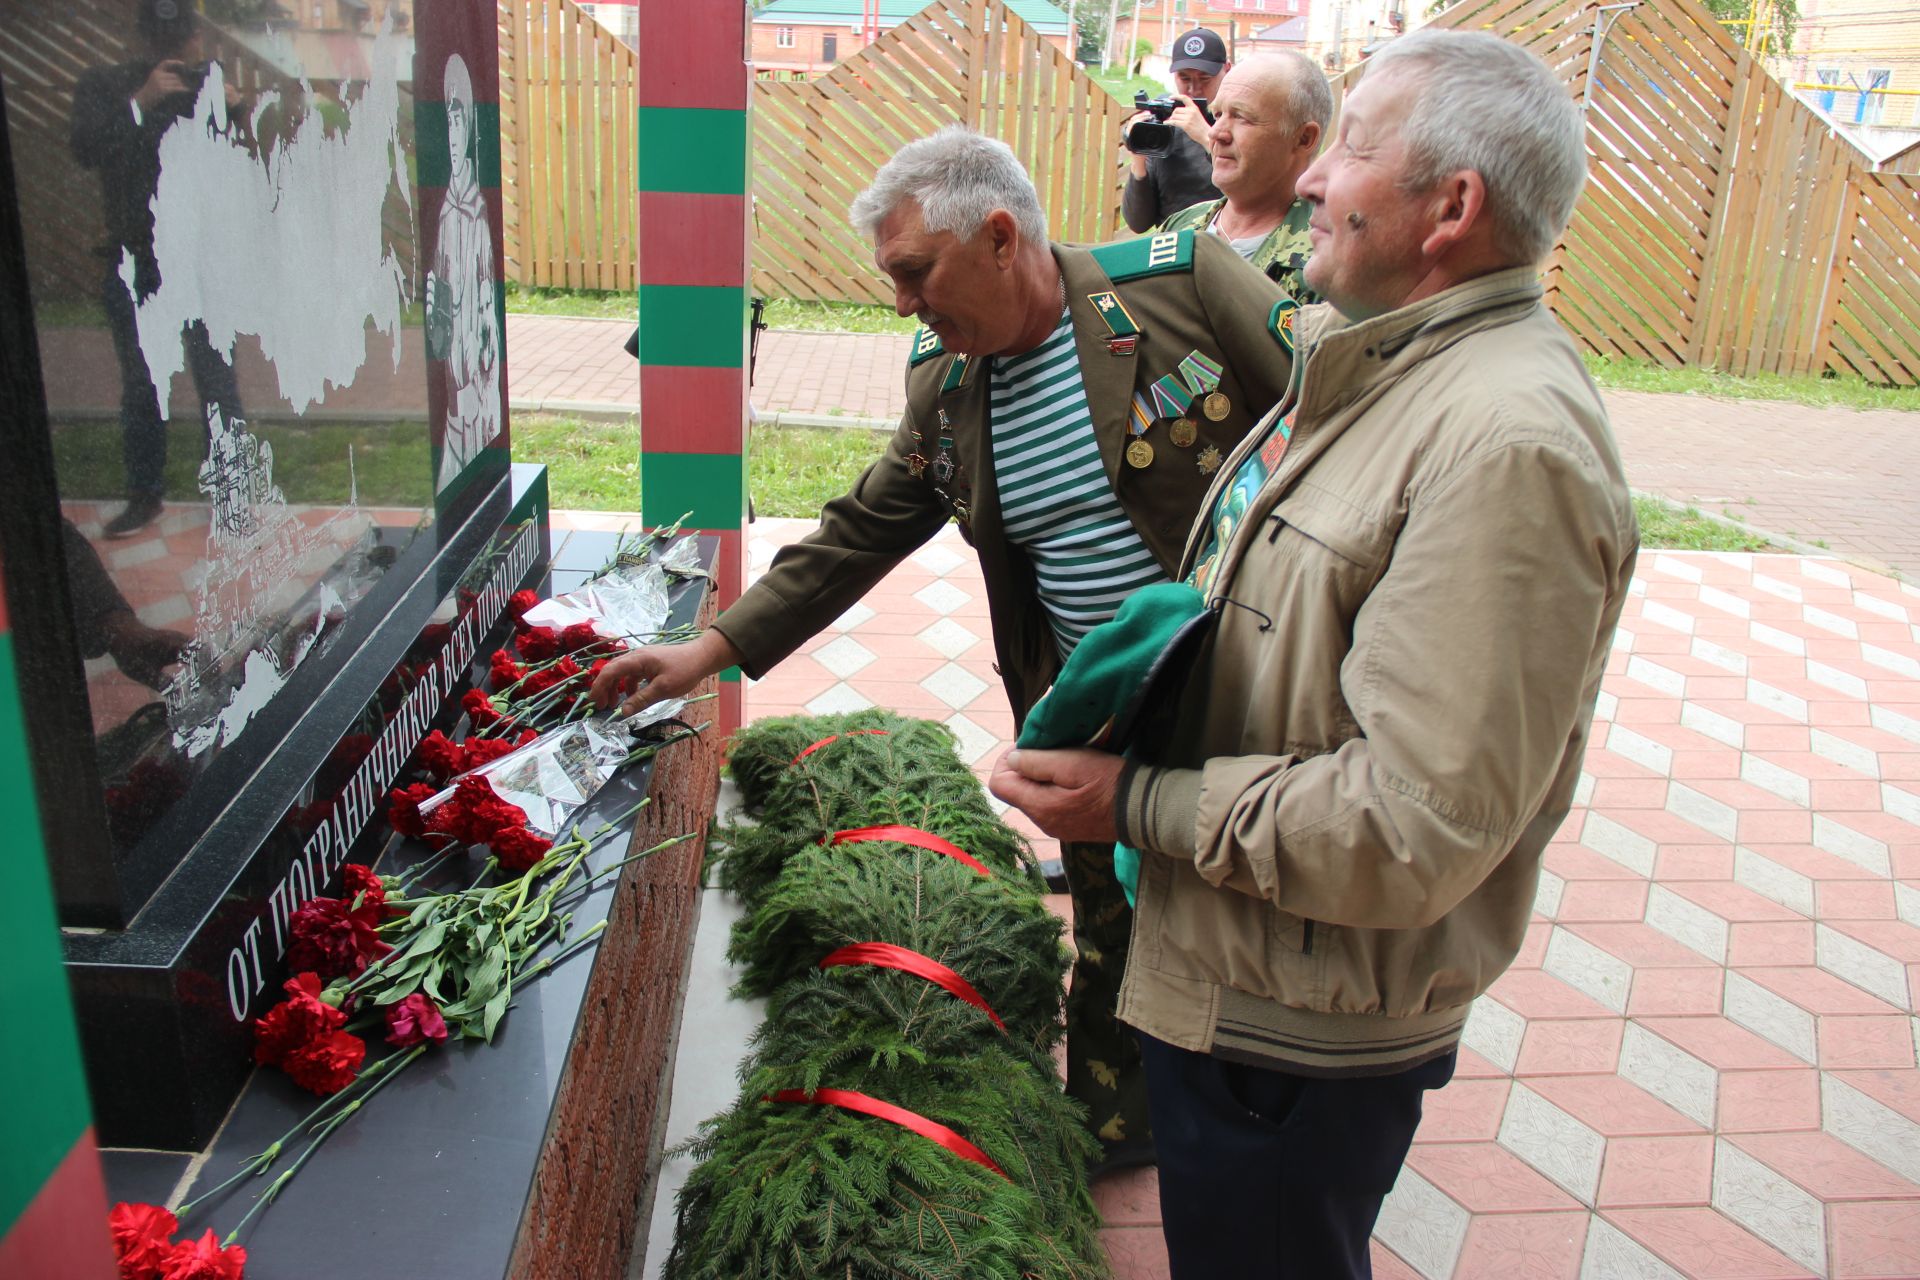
1208 461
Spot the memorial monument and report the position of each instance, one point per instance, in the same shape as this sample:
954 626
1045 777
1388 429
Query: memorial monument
262 514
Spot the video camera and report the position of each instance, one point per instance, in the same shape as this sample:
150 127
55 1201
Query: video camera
1153 137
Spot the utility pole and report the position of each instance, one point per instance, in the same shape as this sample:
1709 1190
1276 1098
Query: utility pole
1113 29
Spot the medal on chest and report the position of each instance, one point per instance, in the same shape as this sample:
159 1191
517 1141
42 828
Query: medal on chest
1139 453
943 464
1202 374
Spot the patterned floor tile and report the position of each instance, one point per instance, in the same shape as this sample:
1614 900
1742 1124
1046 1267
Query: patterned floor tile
1548 1246
1486 1178
1703 1245
1657 1172
1876 1241
1734 898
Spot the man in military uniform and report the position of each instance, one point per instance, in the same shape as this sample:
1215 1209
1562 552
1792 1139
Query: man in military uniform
1272 112
1067 408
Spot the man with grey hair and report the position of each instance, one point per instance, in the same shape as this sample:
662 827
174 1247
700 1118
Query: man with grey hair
1273 110
1067 408
1426 547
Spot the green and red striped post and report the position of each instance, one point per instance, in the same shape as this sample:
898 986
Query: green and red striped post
693 178
53 1200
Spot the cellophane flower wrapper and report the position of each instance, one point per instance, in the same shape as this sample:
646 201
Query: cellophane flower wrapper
627 602
682 559
553 777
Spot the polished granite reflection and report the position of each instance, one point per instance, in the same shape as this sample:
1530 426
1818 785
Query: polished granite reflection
431 1179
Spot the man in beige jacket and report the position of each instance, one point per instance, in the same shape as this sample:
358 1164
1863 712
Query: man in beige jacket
1416 563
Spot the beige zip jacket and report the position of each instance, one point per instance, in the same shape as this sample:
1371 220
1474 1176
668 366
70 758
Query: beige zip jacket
1345 831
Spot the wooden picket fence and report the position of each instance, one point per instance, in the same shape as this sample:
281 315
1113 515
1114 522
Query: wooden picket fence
817 143
569 95
1723 223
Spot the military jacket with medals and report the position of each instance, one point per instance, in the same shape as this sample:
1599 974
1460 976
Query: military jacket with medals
1173 310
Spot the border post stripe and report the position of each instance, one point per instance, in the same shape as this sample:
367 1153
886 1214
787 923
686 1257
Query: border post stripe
693 179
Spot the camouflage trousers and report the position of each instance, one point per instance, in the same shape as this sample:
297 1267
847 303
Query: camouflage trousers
1103 1056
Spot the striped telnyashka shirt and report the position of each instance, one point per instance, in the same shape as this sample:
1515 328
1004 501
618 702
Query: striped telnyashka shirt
1055 501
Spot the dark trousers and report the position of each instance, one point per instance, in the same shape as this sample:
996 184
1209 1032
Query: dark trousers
143 418
1265 1175
1103 1055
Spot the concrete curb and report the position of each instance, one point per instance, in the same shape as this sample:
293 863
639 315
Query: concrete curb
1786 541
600 410
826 420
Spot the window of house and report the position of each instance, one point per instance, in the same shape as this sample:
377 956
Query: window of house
1826 75
1873 106
783 37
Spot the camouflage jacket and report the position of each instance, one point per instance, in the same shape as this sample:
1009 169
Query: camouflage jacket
1282 255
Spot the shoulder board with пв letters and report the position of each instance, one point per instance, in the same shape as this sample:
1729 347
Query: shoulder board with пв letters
926 345
1160 254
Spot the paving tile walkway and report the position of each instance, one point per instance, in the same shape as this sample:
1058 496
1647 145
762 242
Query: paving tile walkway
1703 1063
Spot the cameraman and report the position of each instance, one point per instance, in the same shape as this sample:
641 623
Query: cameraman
119 116
1159 186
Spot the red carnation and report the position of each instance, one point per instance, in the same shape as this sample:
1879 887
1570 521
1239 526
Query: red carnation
473 814
142 1237
567 667
503 670
519 602
539 682
295 1021
519 849
403 814
328 1064
204 1259
537 644
579 636
441 756
486 750
415 1020
593 672
333 940
479 707
465 598
362 880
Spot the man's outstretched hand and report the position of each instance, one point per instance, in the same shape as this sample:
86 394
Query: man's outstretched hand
641 677
1068 793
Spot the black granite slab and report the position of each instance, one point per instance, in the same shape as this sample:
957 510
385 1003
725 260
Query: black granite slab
143 1177
163 1005
431 1178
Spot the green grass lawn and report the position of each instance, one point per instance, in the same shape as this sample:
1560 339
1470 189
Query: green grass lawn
1818 392
594 466
1668 526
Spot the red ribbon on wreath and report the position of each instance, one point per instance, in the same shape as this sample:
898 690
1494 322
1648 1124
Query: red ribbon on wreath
847 1100
908 835
885 955
834 737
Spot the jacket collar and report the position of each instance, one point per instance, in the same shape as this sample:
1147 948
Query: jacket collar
1341 363
1108 378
